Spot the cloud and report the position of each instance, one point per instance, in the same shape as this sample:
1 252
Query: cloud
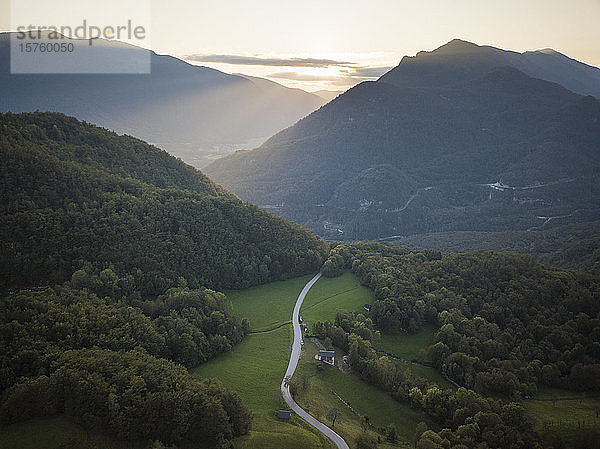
366 72
295 76
303 70
331 80
346 77
274 62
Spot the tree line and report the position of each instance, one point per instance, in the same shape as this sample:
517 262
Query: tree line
132 396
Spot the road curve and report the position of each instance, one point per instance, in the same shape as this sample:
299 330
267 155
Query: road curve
296 348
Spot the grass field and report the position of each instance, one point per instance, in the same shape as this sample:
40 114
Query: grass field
255 367
56 432
268 305
426 372
408 347
362 397
330 294
324 298
563 412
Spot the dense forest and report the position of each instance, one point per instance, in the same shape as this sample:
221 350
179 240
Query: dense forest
72 193
108 253
507 324
573 246
113 363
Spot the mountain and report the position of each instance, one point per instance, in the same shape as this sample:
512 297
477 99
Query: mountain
459 59
195 113
451 140
74 196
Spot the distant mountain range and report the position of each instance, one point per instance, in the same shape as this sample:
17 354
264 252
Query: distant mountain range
463 138
328 94
195 113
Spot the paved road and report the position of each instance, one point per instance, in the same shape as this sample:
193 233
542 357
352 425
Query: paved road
296 348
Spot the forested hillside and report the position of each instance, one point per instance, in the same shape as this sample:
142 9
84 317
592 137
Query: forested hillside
107 361
575 246
507 324
74 195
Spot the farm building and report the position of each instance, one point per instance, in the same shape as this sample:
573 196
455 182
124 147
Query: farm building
327 357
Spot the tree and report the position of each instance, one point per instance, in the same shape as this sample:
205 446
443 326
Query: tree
365 441
333 415
421 428
365 422
429 440
391 434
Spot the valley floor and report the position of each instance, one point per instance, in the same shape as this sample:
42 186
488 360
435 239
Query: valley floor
255 368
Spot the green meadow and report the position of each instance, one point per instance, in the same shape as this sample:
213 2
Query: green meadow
408 347
566 413
325 389
255 367
330 294
346 392
267 305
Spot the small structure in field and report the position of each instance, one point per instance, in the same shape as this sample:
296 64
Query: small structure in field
284 414
367 307
327 357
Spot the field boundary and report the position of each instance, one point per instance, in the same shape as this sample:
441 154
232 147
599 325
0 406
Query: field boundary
270 329
331 296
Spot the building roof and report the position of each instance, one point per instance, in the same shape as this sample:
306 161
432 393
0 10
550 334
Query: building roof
327 353
284 414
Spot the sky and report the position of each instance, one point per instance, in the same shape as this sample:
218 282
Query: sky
335 44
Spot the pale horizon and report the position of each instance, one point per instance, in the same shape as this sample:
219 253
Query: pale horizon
333 46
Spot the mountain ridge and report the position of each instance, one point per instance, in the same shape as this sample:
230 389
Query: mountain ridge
460 130
546 64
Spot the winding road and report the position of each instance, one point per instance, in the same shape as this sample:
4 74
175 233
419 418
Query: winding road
296 349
